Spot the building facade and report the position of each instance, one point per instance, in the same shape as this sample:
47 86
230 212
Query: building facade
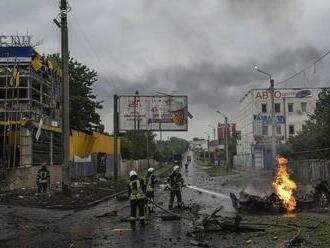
222 132
292 107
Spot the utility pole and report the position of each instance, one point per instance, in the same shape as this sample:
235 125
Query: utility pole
147 137
273 118
227 143
66 98
272 111
208 146
271 81
214 146
115 136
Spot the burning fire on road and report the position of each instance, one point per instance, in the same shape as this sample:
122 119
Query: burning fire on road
284 186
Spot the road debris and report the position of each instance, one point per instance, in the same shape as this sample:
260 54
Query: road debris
108 214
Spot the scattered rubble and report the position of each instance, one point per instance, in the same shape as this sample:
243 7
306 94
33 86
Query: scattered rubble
108 214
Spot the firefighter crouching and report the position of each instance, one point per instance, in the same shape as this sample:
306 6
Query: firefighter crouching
176 183
43 179
136 193
150 182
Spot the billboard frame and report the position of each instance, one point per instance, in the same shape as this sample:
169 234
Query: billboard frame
160 124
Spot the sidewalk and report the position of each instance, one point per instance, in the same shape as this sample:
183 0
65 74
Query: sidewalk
84 193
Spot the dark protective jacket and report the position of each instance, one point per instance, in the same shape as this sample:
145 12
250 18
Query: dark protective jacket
150 182
175 180
43 176
136 188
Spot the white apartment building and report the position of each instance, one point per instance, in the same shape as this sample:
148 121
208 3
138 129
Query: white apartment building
292 107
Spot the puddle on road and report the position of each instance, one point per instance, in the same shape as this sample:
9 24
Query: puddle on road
82 232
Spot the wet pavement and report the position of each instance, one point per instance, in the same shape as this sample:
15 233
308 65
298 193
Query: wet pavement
33 227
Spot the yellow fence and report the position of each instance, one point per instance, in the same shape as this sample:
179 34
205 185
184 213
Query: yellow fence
82 144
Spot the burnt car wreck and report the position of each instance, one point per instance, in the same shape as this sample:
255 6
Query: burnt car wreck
248 203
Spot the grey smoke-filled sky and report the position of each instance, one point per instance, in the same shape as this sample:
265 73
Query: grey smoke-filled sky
205 49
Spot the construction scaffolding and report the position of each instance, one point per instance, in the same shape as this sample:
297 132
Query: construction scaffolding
30 89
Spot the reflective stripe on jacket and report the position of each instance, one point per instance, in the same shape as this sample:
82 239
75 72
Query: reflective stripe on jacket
150 183
43 176
136 190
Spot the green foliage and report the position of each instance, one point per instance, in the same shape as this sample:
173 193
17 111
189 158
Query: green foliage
83 103
134 145
171 147
316 135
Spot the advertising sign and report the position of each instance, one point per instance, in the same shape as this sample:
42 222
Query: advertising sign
267 119
154 113
15 54
282 93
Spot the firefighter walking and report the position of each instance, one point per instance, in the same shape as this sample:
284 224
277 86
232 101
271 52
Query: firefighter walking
136 193
176 183
150 182
43 179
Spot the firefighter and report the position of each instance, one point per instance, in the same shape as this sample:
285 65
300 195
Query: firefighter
136 193
150 185
43 179
176 183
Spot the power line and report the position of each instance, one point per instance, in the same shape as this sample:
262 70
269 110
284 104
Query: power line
304 69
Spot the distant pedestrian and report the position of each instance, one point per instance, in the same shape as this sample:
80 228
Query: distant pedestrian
136 193
43 179
151 181
176 183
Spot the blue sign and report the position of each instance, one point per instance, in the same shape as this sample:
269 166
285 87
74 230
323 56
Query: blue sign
13 54
279 119
303 93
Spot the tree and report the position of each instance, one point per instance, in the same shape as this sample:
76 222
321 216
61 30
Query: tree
83 103
316 134
171 147
134 145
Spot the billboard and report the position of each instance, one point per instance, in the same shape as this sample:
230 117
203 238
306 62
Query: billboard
154 113
15 54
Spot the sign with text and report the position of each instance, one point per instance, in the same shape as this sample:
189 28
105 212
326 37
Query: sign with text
282 93
267 119
15 41
154 113
15 54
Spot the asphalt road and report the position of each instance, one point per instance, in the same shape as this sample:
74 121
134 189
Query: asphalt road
33 227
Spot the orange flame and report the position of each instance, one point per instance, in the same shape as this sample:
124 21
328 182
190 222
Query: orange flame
283 185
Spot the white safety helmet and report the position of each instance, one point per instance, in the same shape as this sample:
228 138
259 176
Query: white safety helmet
176 168
132 173
151 170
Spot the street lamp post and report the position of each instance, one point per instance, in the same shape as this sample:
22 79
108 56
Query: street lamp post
226 139
271 81
208 145
214 144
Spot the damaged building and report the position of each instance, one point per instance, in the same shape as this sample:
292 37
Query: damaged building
31 117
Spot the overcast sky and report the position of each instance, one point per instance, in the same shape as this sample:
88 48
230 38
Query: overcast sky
205 49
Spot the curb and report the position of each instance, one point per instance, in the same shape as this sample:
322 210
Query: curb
87 205
93 203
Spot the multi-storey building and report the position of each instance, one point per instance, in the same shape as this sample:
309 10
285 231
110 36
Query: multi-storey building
292 107
30 96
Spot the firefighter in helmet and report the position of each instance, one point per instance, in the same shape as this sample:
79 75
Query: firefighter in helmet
176 183
136 193
150 185
43 179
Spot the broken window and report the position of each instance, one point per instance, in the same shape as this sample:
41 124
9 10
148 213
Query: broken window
291 129
277 108
264 107
278 130
265 130
304 107
290 107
